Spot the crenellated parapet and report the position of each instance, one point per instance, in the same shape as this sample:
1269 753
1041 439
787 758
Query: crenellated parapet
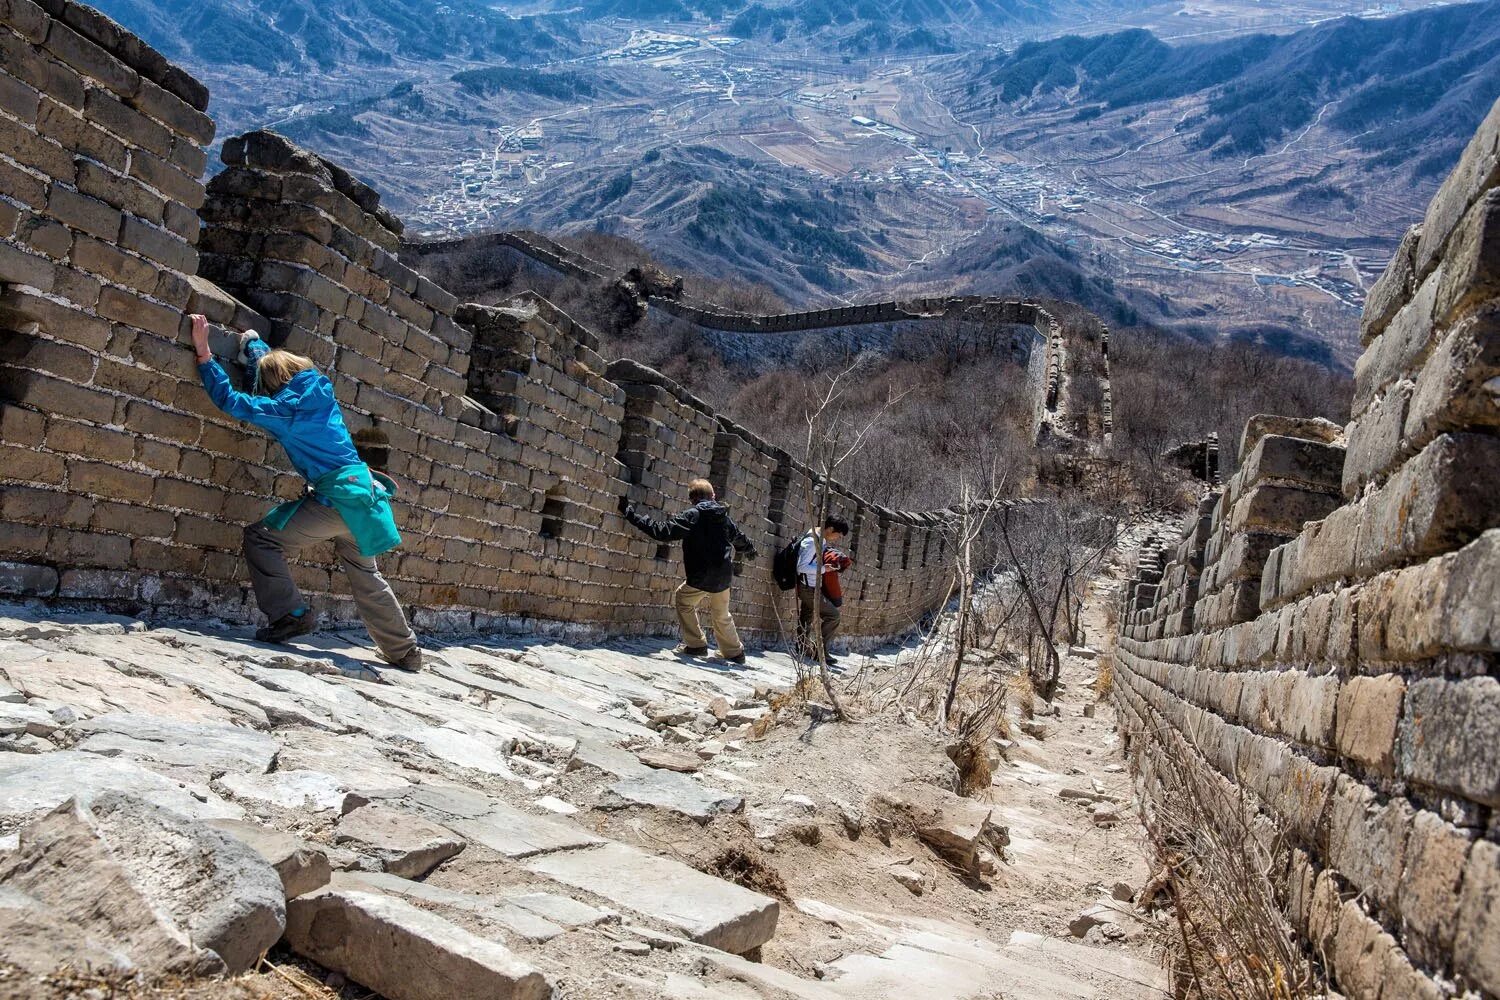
1325 635
510 437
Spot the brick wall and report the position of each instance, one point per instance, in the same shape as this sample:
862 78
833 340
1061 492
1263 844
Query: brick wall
509 436
1325 631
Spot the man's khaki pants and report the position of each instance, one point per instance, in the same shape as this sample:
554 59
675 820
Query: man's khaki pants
726 635
277 594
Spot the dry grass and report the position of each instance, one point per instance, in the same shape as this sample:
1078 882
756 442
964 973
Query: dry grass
1223 862
1104 681
288 981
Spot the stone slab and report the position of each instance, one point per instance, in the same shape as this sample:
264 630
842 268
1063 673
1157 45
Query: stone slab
301 867
405 844
180 744
302 790
515 919
160 885
671 791
30 785
706 909
404 953
516 834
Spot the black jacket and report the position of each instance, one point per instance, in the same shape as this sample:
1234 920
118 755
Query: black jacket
709 540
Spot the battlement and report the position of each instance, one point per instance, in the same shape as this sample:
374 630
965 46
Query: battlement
509 435
1325 633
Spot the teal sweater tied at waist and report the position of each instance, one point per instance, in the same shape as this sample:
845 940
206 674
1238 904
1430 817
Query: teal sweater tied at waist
363 500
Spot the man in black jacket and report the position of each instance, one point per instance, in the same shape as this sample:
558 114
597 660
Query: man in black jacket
709 541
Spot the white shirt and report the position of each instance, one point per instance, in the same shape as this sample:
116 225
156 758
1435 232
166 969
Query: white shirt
807 560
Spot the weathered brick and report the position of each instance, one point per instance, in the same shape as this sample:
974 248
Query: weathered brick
1435 857
26 579
21 187
90 60
21 428
106 260
99 584
1447 736
179 495
133 520
19 267
25 18
40 70
19 100
1437 502
1459 386
175 113
1478 171
29 505
1367 839
87 440
88 215
143 418
1282 509
122 192
45 236
1376 439
110 481
128 124
133 310
73 131
1476 946
158 244
55 396
1369 712
57 319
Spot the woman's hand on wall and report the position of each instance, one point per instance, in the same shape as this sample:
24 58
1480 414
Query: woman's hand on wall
200 337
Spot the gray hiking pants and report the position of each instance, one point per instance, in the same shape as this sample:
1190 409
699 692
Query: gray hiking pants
277 594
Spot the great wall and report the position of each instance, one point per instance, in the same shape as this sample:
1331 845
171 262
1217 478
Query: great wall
129 488
1321 642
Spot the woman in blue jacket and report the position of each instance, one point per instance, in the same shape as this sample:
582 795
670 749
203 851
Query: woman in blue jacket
345 501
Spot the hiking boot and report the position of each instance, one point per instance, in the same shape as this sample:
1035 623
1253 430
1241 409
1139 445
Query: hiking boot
690 651
740 659
288 626
411 662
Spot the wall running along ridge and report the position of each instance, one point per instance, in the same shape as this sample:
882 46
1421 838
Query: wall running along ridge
509 435
1325 635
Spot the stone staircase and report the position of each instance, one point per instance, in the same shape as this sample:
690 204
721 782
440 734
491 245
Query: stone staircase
421 825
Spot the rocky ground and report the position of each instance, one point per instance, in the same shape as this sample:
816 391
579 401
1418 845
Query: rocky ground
530 818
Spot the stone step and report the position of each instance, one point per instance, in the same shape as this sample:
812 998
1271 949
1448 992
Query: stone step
390 946
534 916
671 791
708 910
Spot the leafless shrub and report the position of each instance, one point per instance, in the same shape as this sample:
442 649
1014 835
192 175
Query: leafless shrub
1223 861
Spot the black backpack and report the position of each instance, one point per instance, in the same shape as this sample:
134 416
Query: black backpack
784 566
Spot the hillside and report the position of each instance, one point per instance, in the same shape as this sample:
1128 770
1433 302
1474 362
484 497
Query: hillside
1410 88
292 35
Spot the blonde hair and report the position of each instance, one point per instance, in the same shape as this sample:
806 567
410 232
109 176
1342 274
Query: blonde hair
277 367
700 489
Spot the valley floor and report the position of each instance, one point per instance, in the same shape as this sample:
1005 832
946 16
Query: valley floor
581 861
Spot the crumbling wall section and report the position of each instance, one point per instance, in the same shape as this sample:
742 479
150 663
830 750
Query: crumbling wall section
511 443
1325 634
113 463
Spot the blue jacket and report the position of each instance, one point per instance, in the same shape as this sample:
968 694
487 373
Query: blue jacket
304 418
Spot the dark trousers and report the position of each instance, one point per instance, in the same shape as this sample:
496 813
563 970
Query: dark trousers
810 603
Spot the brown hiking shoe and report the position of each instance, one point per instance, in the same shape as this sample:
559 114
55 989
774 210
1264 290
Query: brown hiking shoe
690 651
411 662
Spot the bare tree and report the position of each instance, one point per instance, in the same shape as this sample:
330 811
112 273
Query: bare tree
1051 554
834 435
